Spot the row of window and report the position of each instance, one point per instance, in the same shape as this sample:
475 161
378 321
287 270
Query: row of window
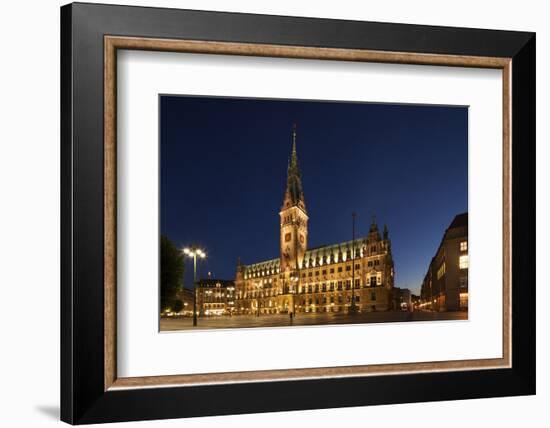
441 271
261 273
329 308
319 261
373 281
370 263
463 263
266 293
321 301
339 299
214 299
333 308
339 257
315 288
214 294
332 270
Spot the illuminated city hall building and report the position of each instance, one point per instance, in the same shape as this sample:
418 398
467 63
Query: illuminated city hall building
349 276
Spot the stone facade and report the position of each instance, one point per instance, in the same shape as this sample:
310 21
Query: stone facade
352 275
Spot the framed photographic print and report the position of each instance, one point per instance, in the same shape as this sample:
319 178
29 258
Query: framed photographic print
265 213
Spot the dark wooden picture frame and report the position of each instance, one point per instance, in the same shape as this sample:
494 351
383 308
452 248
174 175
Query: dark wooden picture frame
90 389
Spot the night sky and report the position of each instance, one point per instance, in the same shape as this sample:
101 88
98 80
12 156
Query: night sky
223 176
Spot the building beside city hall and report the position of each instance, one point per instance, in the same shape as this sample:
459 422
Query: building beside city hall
356 275
215 297
445 285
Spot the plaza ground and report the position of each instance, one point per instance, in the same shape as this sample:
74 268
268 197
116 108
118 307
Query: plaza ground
303 319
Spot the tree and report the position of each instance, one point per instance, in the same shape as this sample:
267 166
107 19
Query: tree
171 273
177 306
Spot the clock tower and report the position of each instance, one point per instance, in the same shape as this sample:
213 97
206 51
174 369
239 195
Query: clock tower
293 220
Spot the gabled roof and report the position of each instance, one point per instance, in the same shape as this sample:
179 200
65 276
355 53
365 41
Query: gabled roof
460 220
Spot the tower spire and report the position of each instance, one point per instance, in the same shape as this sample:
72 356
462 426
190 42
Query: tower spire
373 231
294 194
294 155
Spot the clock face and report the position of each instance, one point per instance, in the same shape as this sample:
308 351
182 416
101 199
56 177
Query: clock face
302 239
288 236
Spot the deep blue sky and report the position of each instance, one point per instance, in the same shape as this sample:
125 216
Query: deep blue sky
223 176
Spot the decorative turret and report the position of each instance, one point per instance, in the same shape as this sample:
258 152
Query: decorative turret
374 234
240 269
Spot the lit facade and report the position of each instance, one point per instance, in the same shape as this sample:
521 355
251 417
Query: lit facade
215 297
445 286
353 274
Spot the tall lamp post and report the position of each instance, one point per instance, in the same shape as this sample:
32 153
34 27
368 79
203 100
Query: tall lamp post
353 307
194 252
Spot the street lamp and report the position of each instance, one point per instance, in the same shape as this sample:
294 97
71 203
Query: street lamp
353 307
194 252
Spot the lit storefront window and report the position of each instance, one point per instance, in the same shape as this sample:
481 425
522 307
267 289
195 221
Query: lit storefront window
463 300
